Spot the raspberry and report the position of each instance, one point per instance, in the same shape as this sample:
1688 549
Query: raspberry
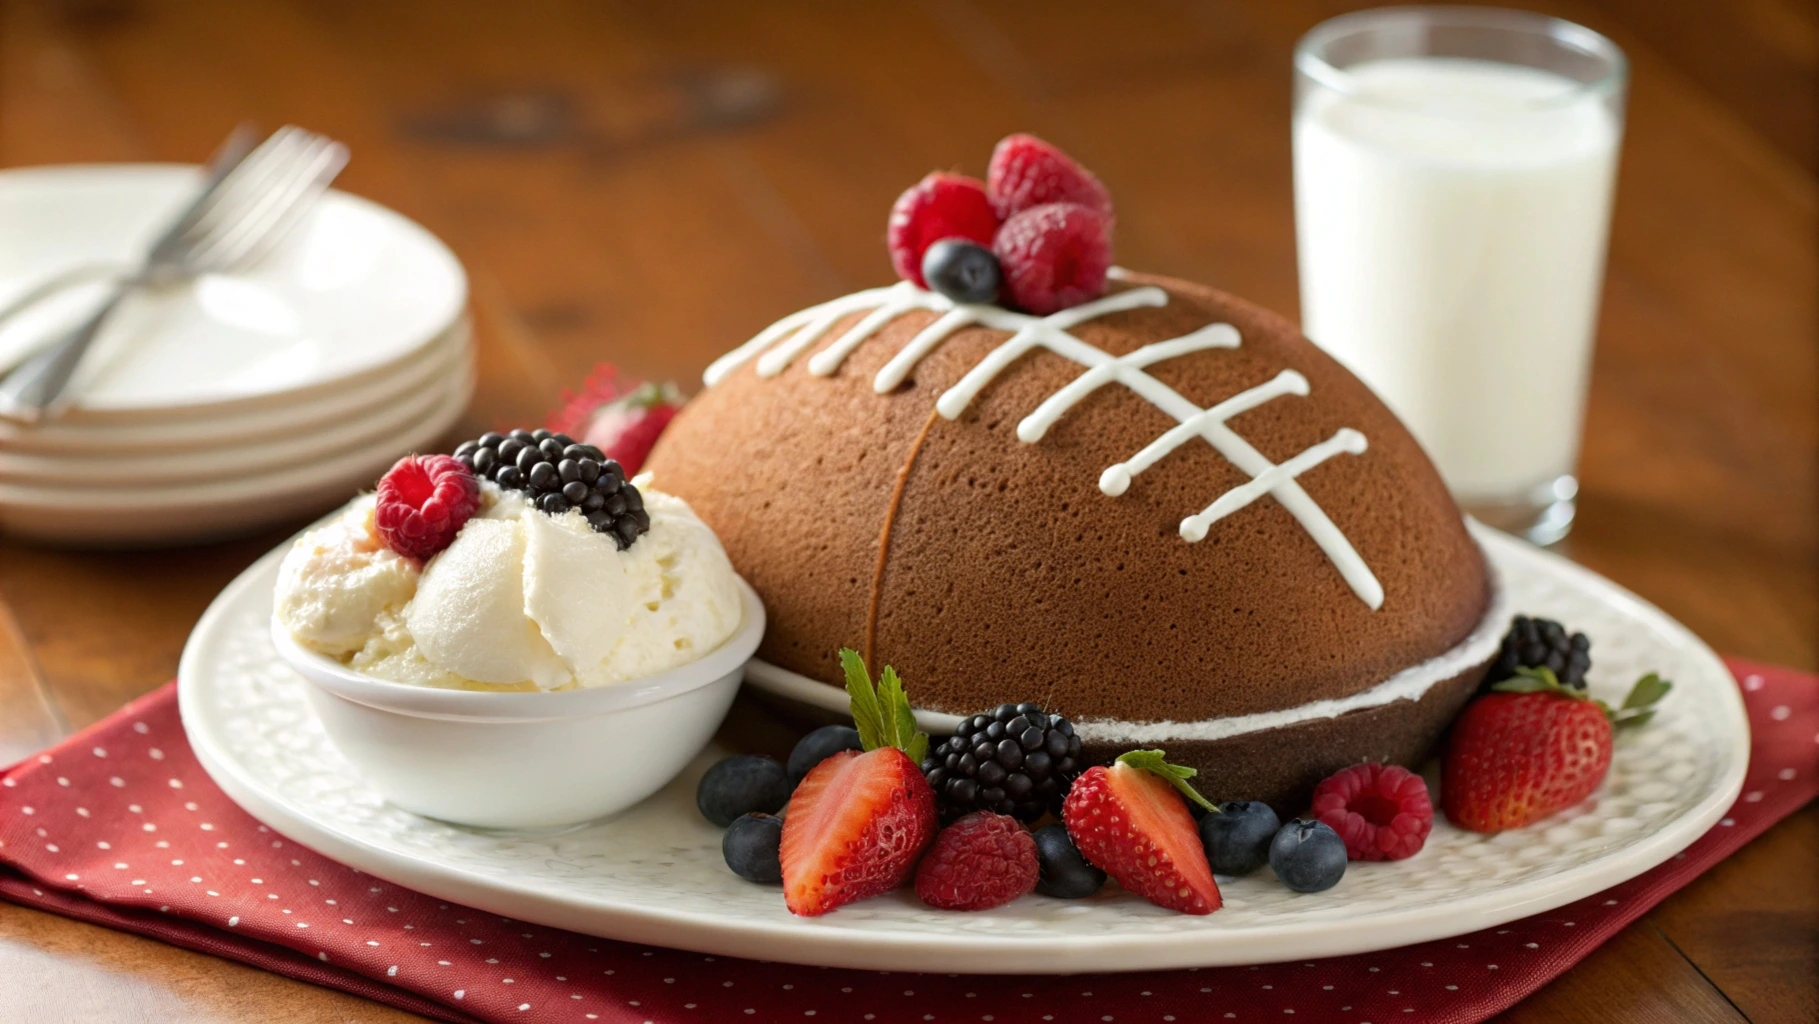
424 500
1381 811
939 206
982 861
1026 171
1054 256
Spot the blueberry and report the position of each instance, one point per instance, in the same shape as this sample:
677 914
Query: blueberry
1238 838
740 785
820 745
1065 873
751 847
965 272
1308 856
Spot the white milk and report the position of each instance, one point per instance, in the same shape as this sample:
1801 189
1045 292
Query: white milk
1451 224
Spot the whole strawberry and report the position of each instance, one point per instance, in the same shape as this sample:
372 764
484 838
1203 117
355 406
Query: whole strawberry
423 501
858 822
1533 747
982 861
1130 821
624 423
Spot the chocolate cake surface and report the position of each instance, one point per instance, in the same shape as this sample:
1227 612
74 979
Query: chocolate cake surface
949 502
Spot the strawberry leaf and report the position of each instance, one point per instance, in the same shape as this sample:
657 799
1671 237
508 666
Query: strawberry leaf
882 714
1639 706
1156 763
1537 680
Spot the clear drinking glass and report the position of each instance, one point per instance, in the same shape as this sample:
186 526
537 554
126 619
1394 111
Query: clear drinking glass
1453 177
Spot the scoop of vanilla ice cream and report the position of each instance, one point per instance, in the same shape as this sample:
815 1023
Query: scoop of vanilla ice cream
469 618
519 600
524 596
613 615
338 579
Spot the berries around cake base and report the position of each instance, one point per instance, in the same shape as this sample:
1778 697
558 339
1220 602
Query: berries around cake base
1381 811
1237 836
982 861
1130 821
820 745
740 785
858 822
1063 873
1308 856
751 846
1015 759
1542 643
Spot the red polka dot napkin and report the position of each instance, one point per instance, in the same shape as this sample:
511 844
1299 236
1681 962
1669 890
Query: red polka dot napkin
118 825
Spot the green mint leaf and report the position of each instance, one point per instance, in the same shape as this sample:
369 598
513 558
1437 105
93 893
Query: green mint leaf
868 718
1633 720
1156 763
1521 685
1537 680
1647 692
882 715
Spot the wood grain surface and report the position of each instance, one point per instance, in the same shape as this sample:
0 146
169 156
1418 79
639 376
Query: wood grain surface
650 183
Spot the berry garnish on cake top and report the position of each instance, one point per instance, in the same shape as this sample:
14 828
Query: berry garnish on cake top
1037 234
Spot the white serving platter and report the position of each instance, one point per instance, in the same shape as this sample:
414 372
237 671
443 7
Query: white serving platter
655 874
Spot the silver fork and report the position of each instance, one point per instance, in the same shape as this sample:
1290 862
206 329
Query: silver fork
250 199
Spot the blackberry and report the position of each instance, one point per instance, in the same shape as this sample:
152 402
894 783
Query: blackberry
557 474
1015 760
1542 643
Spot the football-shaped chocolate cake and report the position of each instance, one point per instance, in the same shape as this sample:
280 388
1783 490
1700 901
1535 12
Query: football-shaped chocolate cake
1162 513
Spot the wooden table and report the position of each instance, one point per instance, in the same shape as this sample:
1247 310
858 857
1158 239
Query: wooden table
649 183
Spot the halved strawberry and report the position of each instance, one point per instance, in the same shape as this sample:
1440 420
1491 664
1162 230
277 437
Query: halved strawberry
858 822
1129 821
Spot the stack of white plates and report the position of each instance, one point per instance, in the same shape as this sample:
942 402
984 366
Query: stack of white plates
233 402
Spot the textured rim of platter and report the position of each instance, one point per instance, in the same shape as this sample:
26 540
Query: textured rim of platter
655 874
59 439
370 428
440 284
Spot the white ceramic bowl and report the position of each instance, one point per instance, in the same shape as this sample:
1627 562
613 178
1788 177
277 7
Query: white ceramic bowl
525 760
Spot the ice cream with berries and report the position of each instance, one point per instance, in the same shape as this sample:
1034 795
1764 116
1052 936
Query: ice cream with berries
524 562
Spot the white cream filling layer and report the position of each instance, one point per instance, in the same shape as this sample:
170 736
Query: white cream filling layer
1409 684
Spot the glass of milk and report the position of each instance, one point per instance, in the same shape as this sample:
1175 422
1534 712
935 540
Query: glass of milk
1453 177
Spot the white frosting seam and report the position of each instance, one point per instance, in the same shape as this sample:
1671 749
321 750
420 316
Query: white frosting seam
778 345
1409 684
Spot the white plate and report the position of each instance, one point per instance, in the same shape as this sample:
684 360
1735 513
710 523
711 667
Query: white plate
219 509
354 289
656 875
61 438
235 455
